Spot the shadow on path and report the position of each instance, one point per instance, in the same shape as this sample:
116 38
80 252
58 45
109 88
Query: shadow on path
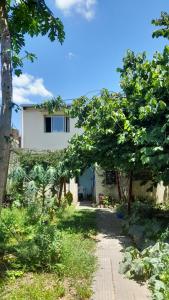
111 227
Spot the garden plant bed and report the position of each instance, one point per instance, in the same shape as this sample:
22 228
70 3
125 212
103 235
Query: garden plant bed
148 259
47 259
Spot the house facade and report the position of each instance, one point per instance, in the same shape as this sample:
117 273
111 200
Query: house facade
42 131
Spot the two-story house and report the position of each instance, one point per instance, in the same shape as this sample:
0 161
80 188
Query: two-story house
41 131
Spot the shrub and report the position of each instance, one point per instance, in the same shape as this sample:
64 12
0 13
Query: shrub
69 198
42 251
147 226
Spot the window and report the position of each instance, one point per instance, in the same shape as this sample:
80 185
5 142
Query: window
57 124
110 177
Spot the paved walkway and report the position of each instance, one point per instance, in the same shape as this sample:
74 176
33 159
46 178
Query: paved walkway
108 284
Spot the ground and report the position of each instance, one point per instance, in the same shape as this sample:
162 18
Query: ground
108 283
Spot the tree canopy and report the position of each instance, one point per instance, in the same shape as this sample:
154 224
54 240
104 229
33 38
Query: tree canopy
162 22
32 17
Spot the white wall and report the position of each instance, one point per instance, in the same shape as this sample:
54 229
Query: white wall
34 136
101 187
73 188
160 194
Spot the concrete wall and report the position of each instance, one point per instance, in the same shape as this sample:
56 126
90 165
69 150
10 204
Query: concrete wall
34 136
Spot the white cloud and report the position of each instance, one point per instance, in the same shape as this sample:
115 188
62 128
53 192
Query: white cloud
70 55
85 8
26 86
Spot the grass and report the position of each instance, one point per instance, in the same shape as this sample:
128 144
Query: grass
34 287
35 273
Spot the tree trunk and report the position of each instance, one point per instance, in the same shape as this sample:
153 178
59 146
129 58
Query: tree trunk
130 192
60 191
118 185
6 105
43 196
64 187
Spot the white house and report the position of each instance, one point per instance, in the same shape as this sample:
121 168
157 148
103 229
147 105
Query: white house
41 131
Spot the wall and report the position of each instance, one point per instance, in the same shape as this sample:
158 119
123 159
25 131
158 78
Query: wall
101 187
159 194
73 188
86 183
34 137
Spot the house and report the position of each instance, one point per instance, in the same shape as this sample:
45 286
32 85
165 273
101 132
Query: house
42 131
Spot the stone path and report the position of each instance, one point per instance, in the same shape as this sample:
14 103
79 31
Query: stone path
108 284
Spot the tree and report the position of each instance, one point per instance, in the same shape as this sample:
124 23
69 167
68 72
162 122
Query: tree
18 18
129 131
163 21
146 87
104 120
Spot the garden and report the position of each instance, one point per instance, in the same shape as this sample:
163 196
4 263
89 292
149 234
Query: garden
47 246
147 260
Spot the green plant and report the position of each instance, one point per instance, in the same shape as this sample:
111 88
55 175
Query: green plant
151 264
30 241
36 183
34 286
147 225
43 250
84 291
69 198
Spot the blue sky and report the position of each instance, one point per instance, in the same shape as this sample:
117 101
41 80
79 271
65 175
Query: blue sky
98 34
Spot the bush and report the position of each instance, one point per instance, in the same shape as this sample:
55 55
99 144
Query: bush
147 226
42 251
31 242
69 198
150 264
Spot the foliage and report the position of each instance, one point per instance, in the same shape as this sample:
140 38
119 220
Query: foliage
126 132
148 260
163 21
19 19
107 201
34 242
53 105
146 87
35 184
69 198
36 175
33 18
151 264
30 287
28 159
